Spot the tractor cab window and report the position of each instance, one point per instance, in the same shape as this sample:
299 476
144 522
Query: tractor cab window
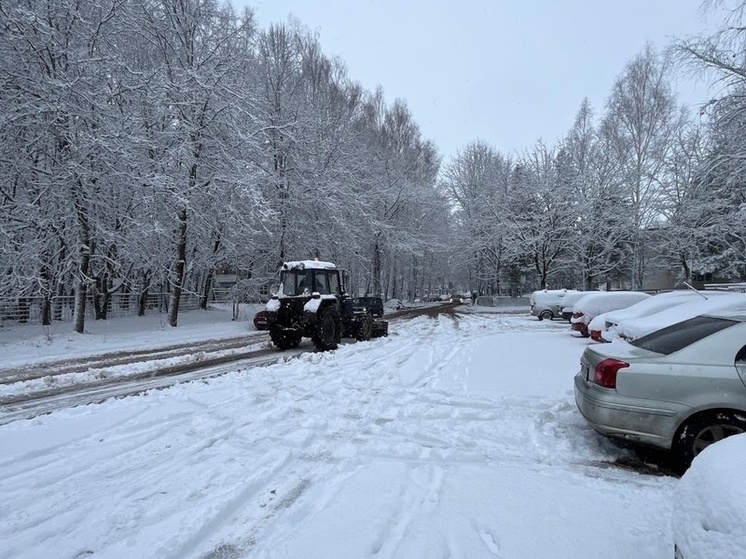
296 282
321 283
333 283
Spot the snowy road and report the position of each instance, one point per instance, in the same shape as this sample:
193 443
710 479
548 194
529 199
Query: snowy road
451 438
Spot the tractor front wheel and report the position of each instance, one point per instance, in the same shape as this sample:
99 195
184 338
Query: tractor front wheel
284 339
328 329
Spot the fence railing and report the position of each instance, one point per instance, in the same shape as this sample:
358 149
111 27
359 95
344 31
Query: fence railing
739 287
28 310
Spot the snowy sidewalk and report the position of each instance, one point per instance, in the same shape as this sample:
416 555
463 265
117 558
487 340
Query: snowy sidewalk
33 343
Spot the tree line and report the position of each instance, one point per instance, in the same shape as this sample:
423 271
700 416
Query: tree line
151 144
648 184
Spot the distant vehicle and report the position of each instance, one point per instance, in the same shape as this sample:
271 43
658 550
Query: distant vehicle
600 302
681 388
260 320
371 305
456 299
548 303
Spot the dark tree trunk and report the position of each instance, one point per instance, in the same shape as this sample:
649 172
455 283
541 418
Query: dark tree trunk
84 253
377 267
46 303
46 311
177 277
142 301
101 297
206 288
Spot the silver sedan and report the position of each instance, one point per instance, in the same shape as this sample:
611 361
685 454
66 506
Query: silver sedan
681 388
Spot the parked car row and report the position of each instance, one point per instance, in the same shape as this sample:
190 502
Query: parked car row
680 388
674 378
673 307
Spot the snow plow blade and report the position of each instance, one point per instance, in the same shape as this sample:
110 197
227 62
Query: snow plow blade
380 329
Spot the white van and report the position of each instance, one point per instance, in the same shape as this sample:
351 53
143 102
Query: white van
548 303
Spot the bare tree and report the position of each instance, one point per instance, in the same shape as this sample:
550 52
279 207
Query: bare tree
540 224
477 181
641 119
589 169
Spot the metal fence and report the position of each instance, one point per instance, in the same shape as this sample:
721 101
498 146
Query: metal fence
28 310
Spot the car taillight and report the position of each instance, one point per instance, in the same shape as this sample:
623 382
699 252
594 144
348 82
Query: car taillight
577 314
605 372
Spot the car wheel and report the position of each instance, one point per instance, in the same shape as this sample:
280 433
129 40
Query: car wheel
546 314
703 430
328 329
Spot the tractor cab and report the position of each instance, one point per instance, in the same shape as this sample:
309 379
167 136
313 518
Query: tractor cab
304 282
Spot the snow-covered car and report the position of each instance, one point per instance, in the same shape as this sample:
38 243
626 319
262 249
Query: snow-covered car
599 302
603 327
636 327
681 388
548 303
568 302
260 320
709 503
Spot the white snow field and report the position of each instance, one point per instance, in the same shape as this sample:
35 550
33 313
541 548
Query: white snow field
453 437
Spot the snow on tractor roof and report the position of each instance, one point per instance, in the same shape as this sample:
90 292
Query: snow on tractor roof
308 264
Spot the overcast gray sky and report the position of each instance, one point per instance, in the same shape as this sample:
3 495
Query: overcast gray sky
508 72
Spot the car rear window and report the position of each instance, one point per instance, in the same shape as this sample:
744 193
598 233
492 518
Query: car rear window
678 336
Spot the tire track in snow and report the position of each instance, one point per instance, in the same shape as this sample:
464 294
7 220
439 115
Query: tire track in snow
264 439
352 402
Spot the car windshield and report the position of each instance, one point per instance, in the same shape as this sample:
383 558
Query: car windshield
682 334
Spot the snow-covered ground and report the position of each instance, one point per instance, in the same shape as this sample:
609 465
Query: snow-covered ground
450 438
